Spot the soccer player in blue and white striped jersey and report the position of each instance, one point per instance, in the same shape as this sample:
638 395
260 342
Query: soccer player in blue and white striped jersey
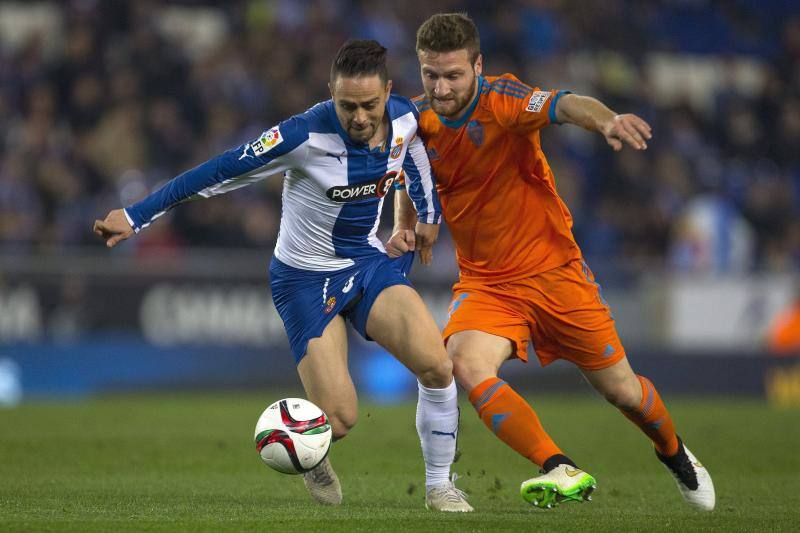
339 159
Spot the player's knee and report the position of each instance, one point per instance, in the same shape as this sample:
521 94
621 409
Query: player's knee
436 375
342 421
462 372
467 373
622 396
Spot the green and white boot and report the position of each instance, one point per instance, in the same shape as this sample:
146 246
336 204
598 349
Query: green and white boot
564 483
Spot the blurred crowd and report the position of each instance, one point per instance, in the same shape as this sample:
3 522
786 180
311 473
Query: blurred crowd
113 98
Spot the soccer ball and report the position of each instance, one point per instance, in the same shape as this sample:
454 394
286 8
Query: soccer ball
293 436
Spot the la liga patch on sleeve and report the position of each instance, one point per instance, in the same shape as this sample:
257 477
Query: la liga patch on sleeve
537 101
267 141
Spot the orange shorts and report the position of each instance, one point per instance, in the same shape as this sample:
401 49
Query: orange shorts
561 310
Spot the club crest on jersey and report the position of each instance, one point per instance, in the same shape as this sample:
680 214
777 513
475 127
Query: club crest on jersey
267 141
330 304
537 101
475 132
395 153
362 191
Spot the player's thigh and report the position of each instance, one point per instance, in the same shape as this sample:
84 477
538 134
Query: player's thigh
477 355
571 319
485 329
400 322
326 378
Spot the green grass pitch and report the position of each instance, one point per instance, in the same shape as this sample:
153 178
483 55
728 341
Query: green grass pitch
188 463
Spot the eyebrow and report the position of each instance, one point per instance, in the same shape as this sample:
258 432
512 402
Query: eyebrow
372 101
456 70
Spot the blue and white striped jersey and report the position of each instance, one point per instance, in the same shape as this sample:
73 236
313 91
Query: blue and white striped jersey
333 189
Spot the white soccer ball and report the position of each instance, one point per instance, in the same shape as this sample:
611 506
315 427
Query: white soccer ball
293 436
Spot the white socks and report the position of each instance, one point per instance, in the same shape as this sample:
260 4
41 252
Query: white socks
437 425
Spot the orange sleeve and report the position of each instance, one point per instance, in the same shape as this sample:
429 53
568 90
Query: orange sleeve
522 108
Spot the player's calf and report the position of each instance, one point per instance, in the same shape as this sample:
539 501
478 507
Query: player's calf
342 421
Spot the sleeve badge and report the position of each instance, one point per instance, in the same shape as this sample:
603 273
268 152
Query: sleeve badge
537 101
267 141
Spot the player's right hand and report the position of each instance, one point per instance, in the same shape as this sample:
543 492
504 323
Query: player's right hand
402 241
426 235
114 228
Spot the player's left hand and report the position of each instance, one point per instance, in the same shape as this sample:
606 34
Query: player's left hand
426 235
628 129
402 241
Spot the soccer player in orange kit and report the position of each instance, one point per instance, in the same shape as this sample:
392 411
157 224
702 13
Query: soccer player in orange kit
522 276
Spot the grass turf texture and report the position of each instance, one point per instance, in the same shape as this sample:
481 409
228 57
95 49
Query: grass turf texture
188 462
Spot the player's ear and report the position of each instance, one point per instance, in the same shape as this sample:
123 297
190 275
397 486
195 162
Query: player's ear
330 88
478 66
388 88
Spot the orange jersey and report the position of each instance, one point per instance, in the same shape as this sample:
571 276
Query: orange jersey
497 191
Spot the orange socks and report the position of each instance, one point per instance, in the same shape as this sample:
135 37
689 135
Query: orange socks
514 422
653 419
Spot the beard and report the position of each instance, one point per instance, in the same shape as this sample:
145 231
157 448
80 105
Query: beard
453 104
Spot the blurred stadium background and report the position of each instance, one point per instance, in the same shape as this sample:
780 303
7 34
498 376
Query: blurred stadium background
696 242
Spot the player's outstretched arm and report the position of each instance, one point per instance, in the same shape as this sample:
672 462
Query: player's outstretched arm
275 151
114 228
593 115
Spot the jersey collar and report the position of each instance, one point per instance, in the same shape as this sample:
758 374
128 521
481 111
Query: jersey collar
460 122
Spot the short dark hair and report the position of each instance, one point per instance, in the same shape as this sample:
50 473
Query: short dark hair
360 57
448 32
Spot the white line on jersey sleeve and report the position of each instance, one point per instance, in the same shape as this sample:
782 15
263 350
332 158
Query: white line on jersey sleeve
421 184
